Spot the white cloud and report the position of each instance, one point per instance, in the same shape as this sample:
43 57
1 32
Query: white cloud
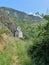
30 13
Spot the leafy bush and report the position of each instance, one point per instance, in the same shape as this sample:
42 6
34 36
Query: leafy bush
39 51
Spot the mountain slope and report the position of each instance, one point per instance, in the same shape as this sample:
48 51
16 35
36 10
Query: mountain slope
11 18
18 14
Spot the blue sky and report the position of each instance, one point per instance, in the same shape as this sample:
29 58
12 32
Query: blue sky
28 6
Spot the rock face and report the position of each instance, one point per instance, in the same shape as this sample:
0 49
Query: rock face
5 19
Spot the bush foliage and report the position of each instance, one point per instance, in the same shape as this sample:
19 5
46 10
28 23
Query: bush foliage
39 51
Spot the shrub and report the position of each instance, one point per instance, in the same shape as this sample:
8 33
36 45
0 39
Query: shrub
39 51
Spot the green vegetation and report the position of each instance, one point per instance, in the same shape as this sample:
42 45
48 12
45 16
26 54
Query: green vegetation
4 31
33 49
15 51
39 51
27 52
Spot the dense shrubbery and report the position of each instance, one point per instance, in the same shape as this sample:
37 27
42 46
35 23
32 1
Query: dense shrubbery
39 51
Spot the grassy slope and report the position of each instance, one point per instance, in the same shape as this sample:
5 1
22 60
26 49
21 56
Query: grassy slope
13 51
